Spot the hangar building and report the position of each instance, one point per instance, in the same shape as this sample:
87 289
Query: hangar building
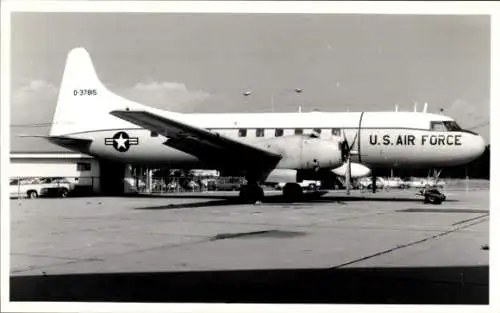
36 157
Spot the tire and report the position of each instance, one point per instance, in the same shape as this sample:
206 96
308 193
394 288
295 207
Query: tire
251 194
64 193
32 194
436 200
293 192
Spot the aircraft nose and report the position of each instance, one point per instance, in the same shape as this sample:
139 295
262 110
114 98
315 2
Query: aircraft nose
477 146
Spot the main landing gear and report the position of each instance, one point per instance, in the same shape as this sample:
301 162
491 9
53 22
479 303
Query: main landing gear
292 192
251 193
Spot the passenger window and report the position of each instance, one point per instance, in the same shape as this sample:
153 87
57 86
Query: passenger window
82 166
438 126
259 132
154 134
278 132
335 131
242 132
298 131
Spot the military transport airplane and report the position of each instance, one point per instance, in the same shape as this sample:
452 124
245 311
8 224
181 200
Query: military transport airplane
264 147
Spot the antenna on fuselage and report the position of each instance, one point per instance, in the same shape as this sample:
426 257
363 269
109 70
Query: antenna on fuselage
396 108
425 108
414 107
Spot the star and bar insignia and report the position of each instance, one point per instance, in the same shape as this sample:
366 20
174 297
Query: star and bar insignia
121 141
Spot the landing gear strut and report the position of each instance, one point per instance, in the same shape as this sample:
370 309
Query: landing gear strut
293 192
374 183
251 193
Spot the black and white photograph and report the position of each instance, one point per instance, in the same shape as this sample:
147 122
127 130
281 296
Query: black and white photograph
283 157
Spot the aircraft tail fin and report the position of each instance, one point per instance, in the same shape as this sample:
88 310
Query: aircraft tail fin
83 102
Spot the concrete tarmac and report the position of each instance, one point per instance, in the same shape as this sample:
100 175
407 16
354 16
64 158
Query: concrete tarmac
387 247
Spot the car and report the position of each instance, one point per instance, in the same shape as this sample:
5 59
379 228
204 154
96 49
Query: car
25 187
425 182
395 182
305 184
366 183
56 186
227 185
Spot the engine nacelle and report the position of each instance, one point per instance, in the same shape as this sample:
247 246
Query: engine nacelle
303 152
357 170
282 176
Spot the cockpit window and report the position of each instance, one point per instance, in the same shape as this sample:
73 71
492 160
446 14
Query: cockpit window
444 126
452 126
438 126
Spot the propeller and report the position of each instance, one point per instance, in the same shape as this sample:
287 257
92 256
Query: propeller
346 151
435 175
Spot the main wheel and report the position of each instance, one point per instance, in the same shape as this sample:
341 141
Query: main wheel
64 193
251 193
293 192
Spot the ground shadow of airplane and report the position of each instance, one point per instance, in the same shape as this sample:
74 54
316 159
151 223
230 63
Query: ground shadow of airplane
232 199
404 285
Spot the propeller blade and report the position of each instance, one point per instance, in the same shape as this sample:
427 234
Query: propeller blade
344 146
343 135
348 176
345 150
353 141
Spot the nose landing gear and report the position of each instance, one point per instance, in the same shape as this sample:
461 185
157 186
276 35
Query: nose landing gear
432 195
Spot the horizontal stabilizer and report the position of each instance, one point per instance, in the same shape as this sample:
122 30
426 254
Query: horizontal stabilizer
76 144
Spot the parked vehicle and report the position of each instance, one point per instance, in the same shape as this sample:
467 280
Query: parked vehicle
21 188
35 187
366 183
225 185
56 186
425 182
395 182
305 184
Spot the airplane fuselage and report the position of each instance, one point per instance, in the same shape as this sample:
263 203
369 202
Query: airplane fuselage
385 139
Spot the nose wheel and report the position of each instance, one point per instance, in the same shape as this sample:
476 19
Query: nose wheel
432 196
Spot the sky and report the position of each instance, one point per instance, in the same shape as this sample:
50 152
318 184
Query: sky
205 62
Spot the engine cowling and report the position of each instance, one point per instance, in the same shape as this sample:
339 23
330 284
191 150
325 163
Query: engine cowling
282 176
304 153
357 170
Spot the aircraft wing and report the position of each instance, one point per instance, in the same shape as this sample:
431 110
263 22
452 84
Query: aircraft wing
210 147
